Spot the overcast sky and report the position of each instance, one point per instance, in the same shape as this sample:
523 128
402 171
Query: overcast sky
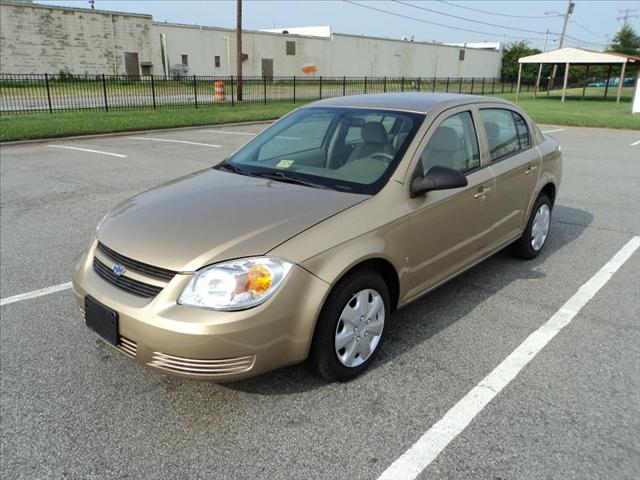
591 22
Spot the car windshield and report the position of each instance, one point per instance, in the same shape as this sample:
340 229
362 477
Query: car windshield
348 149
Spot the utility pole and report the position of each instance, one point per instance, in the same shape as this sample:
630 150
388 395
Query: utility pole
570 7
627 14
546 36
239 50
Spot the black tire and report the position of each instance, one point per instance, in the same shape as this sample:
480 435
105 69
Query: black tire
522 247
322 356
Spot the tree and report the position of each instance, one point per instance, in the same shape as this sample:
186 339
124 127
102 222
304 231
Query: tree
626 41
510 55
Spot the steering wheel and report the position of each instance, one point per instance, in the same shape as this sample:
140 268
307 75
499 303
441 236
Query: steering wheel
383 157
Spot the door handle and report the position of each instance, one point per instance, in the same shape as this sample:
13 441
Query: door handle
532 168
482 191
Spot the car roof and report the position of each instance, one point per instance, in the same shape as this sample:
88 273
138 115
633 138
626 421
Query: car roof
410 101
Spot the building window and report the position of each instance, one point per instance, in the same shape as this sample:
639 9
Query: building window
461 55
216 61
291 48
185 59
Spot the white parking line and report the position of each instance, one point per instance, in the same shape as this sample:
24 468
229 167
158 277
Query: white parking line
635 143
556 130
232 133
411 463
176 141
88 150
35 293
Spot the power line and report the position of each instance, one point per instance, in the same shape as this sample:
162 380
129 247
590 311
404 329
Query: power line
438 24
467 19
586 29
496 13
491 24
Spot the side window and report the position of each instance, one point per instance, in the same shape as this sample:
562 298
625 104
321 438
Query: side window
503 135
454 144
523 131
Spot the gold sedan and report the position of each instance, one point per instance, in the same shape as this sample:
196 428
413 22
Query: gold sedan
303 242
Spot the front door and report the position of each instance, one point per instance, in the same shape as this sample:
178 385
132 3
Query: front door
267 68
131 64
515 163
450 229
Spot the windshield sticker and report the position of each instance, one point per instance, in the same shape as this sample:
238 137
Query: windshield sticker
284 163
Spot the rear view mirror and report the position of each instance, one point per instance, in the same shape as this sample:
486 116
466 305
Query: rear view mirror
437 178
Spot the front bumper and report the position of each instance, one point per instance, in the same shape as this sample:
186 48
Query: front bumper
207 344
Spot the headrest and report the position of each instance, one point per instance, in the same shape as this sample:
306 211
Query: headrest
445 138
492 129
374 132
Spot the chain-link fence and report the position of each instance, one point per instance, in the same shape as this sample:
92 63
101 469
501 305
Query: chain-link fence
66 92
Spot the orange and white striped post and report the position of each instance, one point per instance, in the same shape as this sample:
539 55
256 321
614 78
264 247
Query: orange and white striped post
218 96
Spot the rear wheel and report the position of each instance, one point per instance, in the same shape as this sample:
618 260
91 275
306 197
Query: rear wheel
350 328
535 235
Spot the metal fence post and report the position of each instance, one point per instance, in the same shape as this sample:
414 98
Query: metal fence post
264 88
294 89
402 84
447 91
104 90
195 91
384 84
433 88
153 92
46 81
482 90
493 85
365 84
344 86
511 86
460 86
502 89
473 79
232 99
320 88
418 83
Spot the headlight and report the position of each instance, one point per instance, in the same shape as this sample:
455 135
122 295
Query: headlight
237 284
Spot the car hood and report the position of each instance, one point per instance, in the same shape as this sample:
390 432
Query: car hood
212 215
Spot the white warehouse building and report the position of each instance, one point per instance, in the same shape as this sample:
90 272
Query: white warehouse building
38 38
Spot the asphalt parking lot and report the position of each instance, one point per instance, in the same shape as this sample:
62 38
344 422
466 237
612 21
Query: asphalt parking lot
72 407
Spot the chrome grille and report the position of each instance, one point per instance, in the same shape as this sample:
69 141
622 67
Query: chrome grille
129 347
128 284
135 265
192 366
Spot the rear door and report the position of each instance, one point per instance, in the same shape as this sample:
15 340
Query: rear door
515 164
450 229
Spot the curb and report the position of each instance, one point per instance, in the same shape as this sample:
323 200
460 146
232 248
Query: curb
131 132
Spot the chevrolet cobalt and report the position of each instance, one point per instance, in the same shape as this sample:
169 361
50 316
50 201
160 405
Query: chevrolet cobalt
303 242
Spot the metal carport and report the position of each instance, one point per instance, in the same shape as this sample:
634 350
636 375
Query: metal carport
575 56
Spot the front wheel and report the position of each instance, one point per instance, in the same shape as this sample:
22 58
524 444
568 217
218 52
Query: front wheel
535 235
350 328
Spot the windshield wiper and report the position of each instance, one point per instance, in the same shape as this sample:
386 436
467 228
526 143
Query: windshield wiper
232 168
283 177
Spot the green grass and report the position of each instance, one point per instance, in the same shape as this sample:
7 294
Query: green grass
47 125
591 112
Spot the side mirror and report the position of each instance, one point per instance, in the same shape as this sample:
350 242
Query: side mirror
437 178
